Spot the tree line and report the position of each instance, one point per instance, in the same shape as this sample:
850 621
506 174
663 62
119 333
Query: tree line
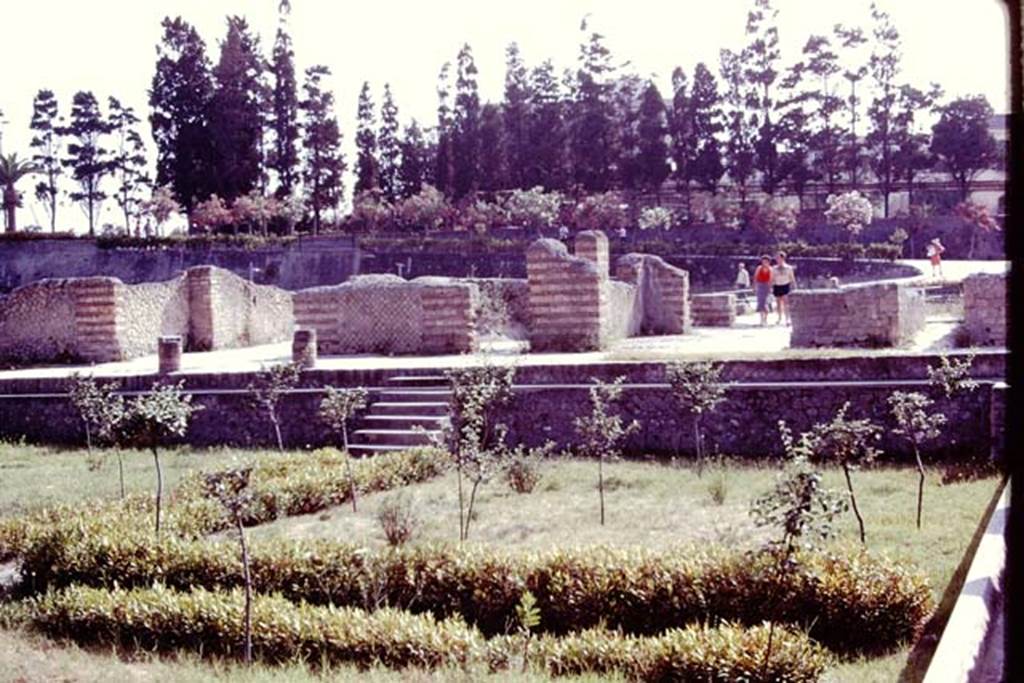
237 142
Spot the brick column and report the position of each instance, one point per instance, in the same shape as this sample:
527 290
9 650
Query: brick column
95 302
569 305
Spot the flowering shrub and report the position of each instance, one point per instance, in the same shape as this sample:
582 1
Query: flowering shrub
601 212
977 215
370 211
655 218
426 210
533 209
255 209
211 214
776 218
850 210
481 216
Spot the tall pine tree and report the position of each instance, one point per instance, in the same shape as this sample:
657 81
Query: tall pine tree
324 163
739 145
389 147
593 135
493 163
46 151
128 162
444 165
706 124
87 159
179 100
817 82
761 58
682 132
367 166
285 100
547 159
652 132
883 136
415 165
237 112
466 126
516 116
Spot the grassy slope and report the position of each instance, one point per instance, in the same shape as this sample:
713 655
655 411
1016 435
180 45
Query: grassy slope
648 504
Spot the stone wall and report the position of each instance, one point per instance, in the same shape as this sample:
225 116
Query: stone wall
870 315
662 293
714 310
569 302
548 398
985 308
100 319
503 307
386 314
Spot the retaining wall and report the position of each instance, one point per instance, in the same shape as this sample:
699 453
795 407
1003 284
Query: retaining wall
548 398
985 308
871 315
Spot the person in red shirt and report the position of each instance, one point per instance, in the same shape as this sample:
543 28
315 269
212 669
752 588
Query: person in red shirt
763 287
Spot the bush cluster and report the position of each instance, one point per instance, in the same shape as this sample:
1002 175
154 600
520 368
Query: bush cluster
164 620
854 603
194 241
159 619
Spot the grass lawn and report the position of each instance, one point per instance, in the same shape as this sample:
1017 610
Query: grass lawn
656 505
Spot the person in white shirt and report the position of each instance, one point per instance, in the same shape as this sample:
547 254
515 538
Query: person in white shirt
783 282
742 278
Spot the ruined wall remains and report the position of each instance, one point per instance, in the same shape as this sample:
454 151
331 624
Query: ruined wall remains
870 315
101 319
569 303
662 293
985 308
386 314
714 310
503 308
229 311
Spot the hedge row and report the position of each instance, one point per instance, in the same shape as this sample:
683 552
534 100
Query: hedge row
300 484
850 603
159 619
292 484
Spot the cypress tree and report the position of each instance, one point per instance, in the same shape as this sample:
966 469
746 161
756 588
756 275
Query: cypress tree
388 145
706 123
515 116
652 133
415 164
493 163
367 168
466 126
324 164
285 101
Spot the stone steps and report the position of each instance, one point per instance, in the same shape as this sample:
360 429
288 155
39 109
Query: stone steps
408 415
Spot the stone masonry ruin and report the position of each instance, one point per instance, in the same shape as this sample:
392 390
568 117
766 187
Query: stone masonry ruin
985 309
869 315
101 319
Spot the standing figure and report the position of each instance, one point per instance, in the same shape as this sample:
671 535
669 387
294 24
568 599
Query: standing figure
783 282
742 278
935 250
763 287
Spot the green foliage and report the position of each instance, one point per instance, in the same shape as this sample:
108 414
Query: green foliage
952 377
605 211
158 619
527 614
269 387
100 407
603 432
523 471
915 423
533 209
851 603
799 507
339 405
155 418
697 388
721 654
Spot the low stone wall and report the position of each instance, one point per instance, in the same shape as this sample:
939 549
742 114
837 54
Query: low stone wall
503 307
985 308
386 314
101 319
870 315
714 310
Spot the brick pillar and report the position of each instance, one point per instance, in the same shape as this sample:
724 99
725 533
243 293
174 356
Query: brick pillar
95 302
592 245
569 303
304 348
169 354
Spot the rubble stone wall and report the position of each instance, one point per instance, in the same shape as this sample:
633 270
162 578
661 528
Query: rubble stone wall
713 310
985 308
145 312
870 315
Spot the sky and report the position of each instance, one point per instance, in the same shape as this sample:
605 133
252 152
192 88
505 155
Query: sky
109 47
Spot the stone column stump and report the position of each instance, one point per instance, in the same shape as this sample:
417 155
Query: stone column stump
304 348
169 354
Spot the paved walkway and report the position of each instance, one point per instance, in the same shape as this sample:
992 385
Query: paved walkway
747 339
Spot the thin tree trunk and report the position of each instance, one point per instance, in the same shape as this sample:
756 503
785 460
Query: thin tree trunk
277 431
600 484
348 467
469 510
120 471
159 490
696 446
248 589
853 502
920 483
462 523
88 437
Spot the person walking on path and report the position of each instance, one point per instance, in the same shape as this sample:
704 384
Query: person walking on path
935 250
763 287
742 278
783 282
